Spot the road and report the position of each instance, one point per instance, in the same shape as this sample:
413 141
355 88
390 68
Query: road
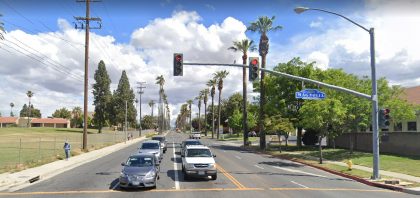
241 174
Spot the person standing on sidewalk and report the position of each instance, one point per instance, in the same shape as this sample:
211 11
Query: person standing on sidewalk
67 148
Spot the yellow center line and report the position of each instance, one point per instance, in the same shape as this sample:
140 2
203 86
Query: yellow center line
230 177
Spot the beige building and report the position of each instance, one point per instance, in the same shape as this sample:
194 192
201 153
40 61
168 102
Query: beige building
34 122
412 95
8 121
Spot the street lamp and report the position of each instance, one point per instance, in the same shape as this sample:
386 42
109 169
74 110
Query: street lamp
374 96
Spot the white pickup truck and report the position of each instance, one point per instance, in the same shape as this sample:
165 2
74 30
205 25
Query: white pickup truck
195 135
198 161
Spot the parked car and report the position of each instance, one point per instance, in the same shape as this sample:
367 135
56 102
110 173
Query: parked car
195 135
198 161
162 141
140 170
189 142
152 147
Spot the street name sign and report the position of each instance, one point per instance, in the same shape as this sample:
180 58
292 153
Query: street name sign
310 94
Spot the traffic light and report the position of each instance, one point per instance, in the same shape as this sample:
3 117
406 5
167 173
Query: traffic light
178 64
254 65
383 118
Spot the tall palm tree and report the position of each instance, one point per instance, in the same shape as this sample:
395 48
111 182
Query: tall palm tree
189 102
263 25
165 102
244 46
199 98
219 76
205 94
29 94
11 109
152 105
212 85
160 80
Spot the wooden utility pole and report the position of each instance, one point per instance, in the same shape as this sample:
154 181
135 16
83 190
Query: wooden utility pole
80 25
140 92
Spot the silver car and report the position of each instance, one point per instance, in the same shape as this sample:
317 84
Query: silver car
140 170
152 147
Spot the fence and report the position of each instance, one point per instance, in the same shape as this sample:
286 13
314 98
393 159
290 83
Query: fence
28 150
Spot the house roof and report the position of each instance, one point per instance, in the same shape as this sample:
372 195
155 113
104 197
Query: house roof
8 119
49 121
412 94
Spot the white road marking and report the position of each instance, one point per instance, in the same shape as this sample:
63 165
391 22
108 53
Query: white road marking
298 171
238 157
224 151
175 168
299 184
258 166
116 185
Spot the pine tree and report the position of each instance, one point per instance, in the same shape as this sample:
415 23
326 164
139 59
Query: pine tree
102 96
121 95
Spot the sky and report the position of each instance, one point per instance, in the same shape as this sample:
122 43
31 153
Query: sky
44 53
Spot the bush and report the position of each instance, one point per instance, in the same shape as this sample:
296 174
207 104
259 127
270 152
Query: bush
310 137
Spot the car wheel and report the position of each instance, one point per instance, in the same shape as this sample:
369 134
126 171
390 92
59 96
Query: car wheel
186 176
213 177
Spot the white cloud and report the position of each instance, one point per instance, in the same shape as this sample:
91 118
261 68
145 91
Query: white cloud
321 59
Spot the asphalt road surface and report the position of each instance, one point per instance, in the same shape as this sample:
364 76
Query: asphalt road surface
240 174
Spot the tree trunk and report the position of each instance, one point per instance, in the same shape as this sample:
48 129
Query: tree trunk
320 148
219 110
299 137
244 95
262 104
205 118
212 119
199 118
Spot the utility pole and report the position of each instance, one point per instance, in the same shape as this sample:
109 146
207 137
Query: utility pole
140 92
125 122
80 25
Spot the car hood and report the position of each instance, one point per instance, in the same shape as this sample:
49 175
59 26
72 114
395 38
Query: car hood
149 151
199 160
129 170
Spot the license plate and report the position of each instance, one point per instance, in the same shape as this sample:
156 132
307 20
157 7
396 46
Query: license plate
136 183
201 172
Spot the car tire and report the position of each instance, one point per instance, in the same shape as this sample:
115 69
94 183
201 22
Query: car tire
186 177
213 177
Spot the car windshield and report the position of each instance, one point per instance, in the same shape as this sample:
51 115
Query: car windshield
193 143
198 153
158 138
138 161
150 146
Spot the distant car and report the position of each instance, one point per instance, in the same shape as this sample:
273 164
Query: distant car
152 147
189 142
140 170
162 141
198 161
195 135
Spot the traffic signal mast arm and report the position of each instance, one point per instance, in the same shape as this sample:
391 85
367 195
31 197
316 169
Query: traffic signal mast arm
362 95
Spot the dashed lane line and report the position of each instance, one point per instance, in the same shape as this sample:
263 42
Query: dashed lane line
301 185
175 168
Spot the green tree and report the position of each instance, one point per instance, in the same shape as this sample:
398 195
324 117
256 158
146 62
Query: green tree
152 106
122 95
199 98
324 116
190 102
160 80
77 119
62 113
219 76
25 111
212 85
205 94
148 122
263 25
244 46
101 96
276 125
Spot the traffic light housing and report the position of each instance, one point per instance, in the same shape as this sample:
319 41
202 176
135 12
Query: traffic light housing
384 118
254 65
178 64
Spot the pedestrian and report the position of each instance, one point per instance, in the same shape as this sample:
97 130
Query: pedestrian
67 148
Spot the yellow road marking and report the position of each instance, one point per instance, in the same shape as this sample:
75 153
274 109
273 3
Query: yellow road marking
230 177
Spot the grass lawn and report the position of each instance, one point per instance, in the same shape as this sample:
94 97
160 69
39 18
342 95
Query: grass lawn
400 164
22 148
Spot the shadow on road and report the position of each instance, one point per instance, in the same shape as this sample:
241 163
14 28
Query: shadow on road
282 164
177 160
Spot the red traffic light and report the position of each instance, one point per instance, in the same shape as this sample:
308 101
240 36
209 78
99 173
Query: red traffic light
254 62
386 111
178 57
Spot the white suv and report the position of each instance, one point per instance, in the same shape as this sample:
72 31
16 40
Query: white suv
198 161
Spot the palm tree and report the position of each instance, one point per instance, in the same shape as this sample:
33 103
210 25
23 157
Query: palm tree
29 94
160 81
1 29
165 102
199 98
243 46
189 102
76 113
212 84
219 76
205 94
11 109
152 105
263 25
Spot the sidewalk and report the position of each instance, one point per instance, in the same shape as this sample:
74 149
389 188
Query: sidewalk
395 175
10 182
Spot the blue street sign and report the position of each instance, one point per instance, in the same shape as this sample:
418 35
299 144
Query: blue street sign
310 94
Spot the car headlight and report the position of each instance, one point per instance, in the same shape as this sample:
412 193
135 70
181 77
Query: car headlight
212 165
122 174
150 175
189 166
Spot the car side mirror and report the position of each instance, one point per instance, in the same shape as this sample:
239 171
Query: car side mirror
214 155
123 164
